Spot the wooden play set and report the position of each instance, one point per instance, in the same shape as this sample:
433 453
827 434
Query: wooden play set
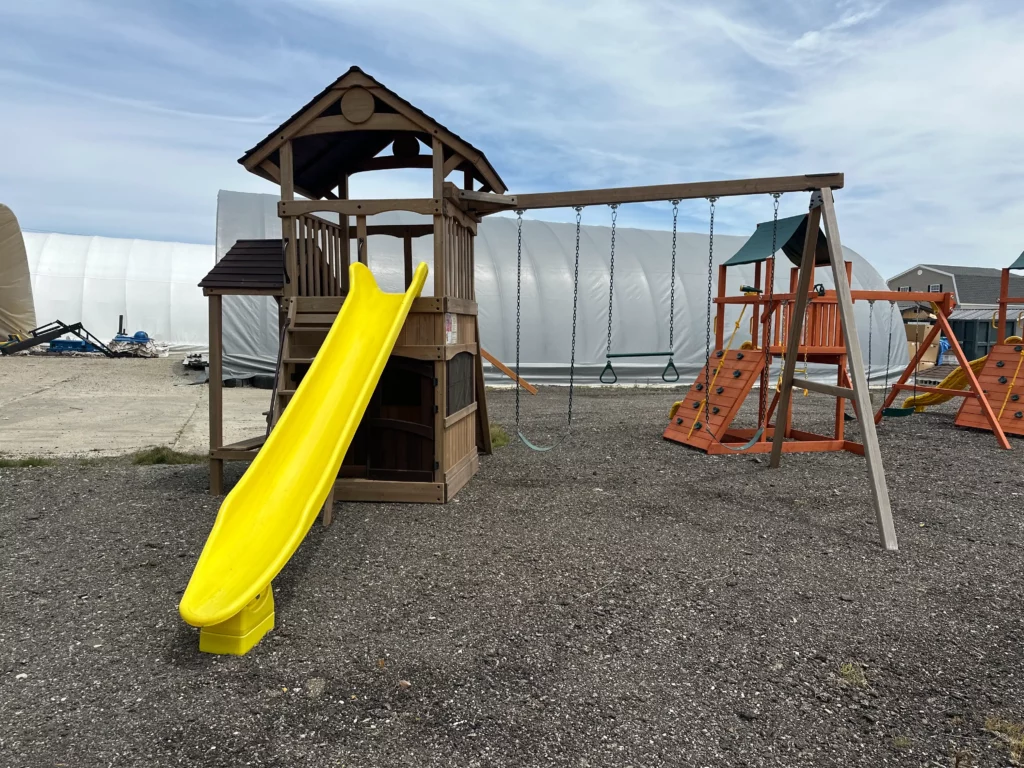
704 419
427 421
994 400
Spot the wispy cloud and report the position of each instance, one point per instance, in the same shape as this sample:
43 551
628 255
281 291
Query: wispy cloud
128 117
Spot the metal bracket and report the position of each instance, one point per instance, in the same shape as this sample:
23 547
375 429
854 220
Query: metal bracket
816 201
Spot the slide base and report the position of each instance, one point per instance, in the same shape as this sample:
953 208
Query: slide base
239 634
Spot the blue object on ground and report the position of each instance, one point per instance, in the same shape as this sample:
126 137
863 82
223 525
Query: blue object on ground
72 345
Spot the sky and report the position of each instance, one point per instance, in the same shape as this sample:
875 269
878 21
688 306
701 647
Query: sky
124 117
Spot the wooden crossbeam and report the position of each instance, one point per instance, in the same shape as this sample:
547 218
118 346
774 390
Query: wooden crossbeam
690 191
824 389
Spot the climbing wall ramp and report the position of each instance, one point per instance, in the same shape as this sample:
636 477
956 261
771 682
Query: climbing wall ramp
731 375
1002 381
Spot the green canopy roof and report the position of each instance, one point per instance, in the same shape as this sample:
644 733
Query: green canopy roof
1019 263
789 237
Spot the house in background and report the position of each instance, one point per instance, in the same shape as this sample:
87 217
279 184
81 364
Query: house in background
976 290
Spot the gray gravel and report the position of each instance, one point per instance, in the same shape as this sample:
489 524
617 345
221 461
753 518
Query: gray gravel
621 601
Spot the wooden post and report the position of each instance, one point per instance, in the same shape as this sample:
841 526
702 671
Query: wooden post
361 244
467 179
972 380
1004 293
407 256
216 393
291 286
483 424
346 235
861 396
327 513
438 174
720 309
796 321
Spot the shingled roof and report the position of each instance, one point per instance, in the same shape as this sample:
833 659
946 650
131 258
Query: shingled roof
978 285
249 267
336 146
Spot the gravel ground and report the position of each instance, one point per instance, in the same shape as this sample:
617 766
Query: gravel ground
621 601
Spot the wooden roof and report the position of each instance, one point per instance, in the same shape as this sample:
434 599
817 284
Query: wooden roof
249 267
346 126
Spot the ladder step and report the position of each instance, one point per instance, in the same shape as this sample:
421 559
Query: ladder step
309 328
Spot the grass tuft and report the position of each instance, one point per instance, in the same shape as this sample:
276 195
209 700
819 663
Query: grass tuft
1010 733
28 461
499 437
852 674
163 455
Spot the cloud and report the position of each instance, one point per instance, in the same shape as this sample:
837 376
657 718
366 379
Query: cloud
137 112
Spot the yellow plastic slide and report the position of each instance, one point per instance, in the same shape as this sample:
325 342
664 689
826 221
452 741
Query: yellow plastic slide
267 514
955 380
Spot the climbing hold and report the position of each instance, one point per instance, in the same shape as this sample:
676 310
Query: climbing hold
1018 348
719 390
1015 398
719 353
736 374
1000 364
1019 415
679 420
699 387
1002 379
696 403
715 409
697 425
739 355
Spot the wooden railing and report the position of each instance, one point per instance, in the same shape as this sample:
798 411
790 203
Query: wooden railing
458 260
321 258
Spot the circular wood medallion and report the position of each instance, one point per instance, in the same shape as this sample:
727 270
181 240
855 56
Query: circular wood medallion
405 146
357 105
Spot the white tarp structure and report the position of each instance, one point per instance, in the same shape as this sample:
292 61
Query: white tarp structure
94 280
641 299
17 310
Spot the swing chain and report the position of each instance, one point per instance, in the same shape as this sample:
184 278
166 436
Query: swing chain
611 276
707 326
871 333
763 400
672 289
519 293
575 302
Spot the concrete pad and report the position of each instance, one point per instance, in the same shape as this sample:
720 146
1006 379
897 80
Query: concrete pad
74 406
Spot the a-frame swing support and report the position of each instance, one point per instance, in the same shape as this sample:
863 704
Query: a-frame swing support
823 208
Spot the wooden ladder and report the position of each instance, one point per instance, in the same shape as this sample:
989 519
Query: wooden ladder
308 321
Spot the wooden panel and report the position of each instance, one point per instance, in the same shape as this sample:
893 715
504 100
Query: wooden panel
338 124
460 415
458 476
421 330
466 325
357 489
427 206
1000 395
459 440
325 304
734 391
